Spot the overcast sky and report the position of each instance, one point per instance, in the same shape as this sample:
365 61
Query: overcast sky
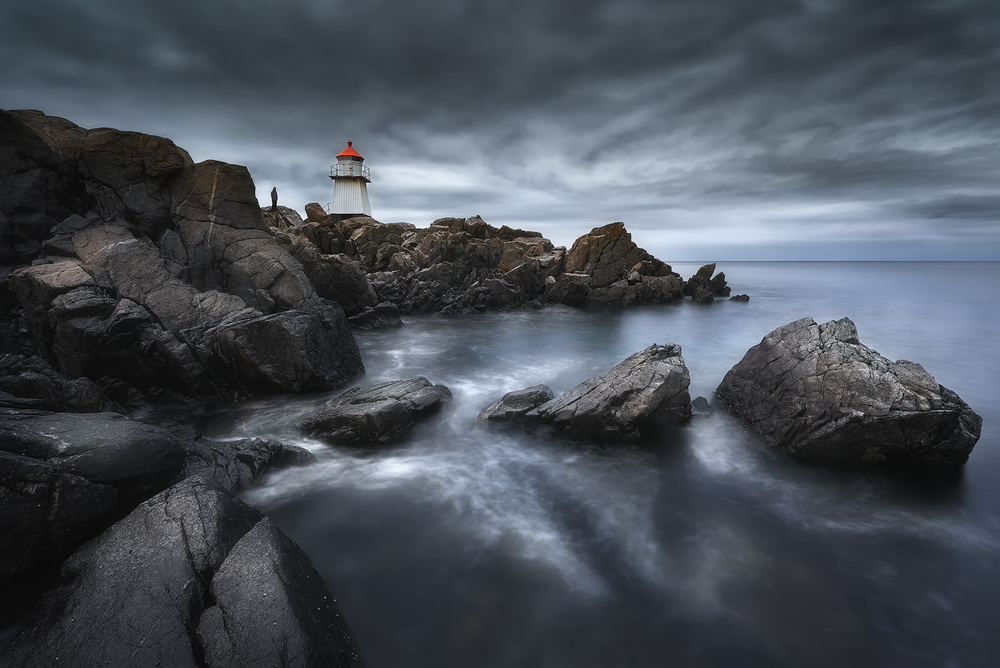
715 129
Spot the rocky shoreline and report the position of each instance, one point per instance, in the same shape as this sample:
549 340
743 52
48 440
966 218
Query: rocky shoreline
131 276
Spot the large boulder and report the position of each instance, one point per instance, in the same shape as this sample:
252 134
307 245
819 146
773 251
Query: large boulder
64 475
820 395
645 392
381 413
336 277
45 513
135 458
184 580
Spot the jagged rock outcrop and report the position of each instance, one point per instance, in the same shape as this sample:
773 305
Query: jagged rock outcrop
646 391
381 413
464 265
703 287
192 576
235 465
639 396
379 316
820 395
515 405
140 269
618 272
281 219
30 382
63 474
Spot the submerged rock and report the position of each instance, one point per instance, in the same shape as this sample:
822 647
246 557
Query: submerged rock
820 395
700 408
378 414
184 580
646 391
515 405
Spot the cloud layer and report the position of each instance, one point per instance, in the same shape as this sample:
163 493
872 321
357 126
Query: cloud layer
718 129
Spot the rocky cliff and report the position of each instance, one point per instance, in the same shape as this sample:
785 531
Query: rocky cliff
465 265
127 262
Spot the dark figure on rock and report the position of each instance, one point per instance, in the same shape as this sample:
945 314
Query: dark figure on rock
274 199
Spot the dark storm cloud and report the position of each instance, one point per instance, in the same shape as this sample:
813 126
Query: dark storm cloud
764 122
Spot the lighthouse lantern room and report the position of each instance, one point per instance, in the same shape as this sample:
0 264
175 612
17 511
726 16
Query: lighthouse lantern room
350 184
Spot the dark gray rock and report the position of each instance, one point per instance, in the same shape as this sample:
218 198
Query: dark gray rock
514 405
703 285
378 414
234 465
136 595
45 513
65 475
144 266
282 615
820 395
379 316
334 276
281 219
700 408
607 254
740 298
29 382
646 391
135 458
464 265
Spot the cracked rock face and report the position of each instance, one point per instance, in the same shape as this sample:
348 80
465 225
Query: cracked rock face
515 405
381 413
820 395
183 581
137 267
647 390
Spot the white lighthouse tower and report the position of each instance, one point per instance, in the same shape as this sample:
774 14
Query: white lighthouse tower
350 184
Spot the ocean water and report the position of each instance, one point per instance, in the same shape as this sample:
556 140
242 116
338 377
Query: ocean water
473 546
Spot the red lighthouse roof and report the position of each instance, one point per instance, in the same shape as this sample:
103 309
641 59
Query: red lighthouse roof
349 151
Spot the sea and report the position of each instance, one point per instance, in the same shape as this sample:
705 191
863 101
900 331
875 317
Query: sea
469 545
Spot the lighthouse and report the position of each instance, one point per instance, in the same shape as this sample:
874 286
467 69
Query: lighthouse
350 184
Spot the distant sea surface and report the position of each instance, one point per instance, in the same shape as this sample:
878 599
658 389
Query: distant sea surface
472 546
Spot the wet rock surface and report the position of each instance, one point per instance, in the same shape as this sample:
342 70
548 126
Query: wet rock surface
166 586
65 475
135 458
641 395
235 465
465 265
378 414
820 395
515 405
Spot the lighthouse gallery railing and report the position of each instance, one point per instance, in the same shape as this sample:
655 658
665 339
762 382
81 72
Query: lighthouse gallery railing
350 170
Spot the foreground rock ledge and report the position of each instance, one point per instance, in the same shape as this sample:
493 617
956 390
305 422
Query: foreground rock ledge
381 413
820 395
645 392
192 577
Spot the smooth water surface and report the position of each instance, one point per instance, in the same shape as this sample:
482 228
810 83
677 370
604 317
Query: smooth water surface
473 546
